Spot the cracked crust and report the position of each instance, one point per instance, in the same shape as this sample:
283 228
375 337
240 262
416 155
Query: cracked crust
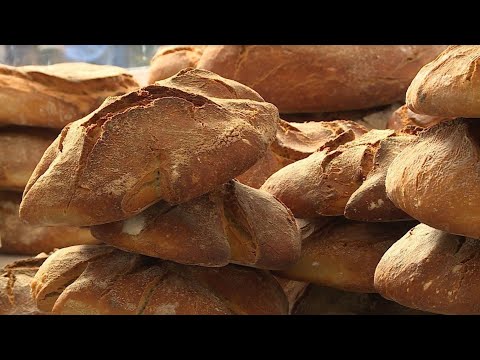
169 60
233 224
321 78
54 95
435 179
20 151
343 254
431 270
449 85
296 141
187 135
404 117
323 183
99 279
15 292
16 237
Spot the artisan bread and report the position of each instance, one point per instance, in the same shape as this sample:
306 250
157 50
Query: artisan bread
403 117
54 95
16 237
21 149
168 60
344 254
449 85
172 141
323 183
234 223
318 78
436 179
15 291
99 279
295 141
431 270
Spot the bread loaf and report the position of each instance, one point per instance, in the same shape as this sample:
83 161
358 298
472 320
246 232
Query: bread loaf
17 237
323 183
172 141
235 224
20 151
436 179
403 117
15 292
344 254
54 95
294 290
99 279
295 141
169 60
449 85
432 270
321 78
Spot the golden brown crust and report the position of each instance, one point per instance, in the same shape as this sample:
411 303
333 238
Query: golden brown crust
15 291
403 117
225 128
449 85
432 270
17 237
169 60
54 95
436 178
235 224
20 151
295 141
321 78
323 183
103 280
344 254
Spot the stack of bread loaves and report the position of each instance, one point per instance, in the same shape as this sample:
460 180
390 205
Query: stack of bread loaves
435 266
35 103
152 173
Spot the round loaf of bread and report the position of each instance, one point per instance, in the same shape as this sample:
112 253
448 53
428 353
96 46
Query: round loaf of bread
99 279
431 270
346 176
172 141
15 291
234 223
298 78
449 86
21 149
16 237
436 179
344 254
169 60
54 95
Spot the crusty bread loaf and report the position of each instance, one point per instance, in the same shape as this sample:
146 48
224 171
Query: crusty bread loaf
318 78
168 60
436 179
16 237
235 224
21 149
344 254
54 95
172 141
323 183
15 291
99 279
295 141
403 117
373 118
449 86
432 270
323 300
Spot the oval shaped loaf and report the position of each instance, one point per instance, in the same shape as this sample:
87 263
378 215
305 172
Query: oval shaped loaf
172 141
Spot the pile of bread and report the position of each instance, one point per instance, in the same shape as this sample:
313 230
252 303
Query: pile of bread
239 176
